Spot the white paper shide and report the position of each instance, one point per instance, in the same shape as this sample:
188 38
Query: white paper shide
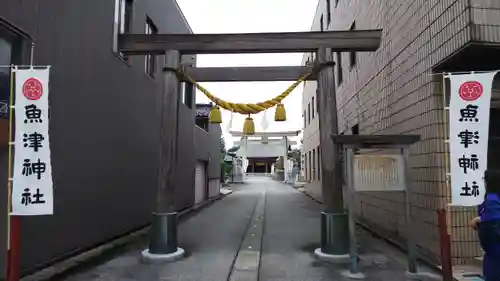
32 192
469 128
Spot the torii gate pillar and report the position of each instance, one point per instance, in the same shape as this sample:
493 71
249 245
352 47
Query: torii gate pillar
285 160
334 219
163 231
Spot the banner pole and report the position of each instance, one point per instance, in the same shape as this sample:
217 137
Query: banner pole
447 170
13 223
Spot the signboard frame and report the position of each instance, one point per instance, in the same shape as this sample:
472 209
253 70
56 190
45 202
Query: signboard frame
351 143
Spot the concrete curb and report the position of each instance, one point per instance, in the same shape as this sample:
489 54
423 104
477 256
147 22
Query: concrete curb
308 195
72 263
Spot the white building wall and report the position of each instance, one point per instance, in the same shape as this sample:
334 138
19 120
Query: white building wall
273 148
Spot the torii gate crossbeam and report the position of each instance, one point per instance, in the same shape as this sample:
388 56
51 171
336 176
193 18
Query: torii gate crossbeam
287 42
334 231
242 74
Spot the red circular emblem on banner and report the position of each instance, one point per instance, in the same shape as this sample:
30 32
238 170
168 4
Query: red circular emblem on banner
32 89
470 91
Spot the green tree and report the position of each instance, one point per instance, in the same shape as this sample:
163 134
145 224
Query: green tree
294 155
222 147
233 149
223 168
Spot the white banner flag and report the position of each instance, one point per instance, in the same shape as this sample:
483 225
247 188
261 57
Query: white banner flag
32 192
469 127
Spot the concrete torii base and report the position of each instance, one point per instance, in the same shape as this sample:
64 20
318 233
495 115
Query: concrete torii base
163 240
147 257
420 276
339 259
351 275
331 258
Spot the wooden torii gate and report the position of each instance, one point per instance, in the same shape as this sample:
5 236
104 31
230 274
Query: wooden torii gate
334 229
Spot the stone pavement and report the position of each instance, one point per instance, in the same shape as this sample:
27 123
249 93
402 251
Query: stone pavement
264 231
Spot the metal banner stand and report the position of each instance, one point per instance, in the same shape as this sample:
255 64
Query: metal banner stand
350 143
13 257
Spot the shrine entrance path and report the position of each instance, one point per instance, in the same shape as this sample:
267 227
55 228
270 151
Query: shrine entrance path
264 231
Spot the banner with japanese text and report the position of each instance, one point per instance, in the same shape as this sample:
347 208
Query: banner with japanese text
32 192
469 119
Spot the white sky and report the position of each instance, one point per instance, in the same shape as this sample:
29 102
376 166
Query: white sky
248 16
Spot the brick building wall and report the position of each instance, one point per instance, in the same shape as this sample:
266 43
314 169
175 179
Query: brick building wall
397 90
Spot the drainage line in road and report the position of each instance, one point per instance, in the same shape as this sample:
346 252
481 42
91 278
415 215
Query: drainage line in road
243 238
261 244
246 264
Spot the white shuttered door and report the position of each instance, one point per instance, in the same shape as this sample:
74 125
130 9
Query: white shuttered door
200 185
213 187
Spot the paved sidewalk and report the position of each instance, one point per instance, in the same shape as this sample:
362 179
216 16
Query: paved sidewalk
285 241
292 234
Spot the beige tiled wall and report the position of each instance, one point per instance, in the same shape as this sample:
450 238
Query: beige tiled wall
485 15
310 133
394 91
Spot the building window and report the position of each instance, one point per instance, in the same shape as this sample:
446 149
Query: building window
308 113
328 12
314 164
189 97
305 120
186 95
352 55
201 117
321 24
305 165
309 153
150 60
124 11
5 59
14 50
202 124
313 107
302 174
126 16
319 163
317 105
308 175
339 68
355 131
308 61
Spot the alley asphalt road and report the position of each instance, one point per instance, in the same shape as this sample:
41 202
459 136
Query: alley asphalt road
262 220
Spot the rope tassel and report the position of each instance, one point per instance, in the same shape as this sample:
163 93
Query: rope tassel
280 113
249 126
215 115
